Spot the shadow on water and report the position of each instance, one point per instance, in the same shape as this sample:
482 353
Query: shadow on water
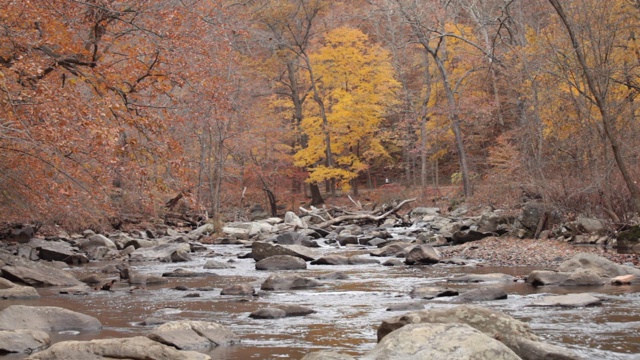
348 312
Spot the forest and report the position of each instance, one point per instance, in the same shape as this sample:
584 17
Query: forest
116 110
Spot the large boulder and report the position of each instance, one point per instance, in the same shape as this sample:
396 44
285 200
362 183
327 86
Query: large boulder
262 250
398 249
11 291
133 348
23 341
440 341
95 241
52 250
191 335
34 273
597 264
164 252
288 282
513 333
281 262
47 318
238 290
295 238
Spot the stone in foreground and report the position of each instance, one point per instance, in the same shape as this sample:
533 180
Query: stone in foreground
440 341
23 341
191 335
134 348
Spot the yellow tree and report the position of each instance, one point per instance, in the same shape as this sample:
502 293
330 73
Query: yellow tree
356 83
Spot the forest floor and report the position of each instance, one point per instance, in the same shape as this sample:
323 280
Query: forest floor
510 251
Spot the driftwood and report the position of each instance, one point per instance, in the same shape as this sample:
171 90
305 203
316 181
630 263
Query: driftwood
370 217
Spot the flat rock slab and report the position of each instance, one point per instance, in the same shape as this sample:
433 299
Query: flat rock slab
47 318
571 300
34 273
23 341
281 262
431 292
484 294
477 278
261 250
133 348
11 291
191 335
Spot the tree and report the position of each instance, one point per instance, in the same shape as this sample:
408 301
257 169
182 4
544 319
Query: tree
356 84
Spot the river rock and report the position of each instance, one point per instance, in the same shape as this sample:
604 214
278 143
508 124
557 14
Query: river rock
262 250
238 290
477 278
184 273
192 335
337 275
431 292
290 218
440 341
162 252
95 241
484 294
214 264
393 262
288 282
11 291
397 249
624 280
52 250
546 277
583 277
34 273
571 300
327 355
295 238
133 348
422 255
268 313
23 341
295 310
490 322
343 260
47 318
598 264
281 262
408 306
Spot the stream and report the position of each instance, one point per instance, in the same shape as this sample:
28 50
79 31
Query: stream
348 312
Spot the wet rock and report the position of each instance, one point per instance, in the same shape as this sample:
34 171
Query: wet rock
295 310
582 277
546 277
23 341
192 295
454 261
295 238
183 273
477 278
34 273
47 318
268 313
343 260
52 250
440 341
571 300
239 290
431 292
262 250
396 249
192 335
288 282
152 321
214 264
162 252
598 264
484 294
133 348
414 305
181 256
11 291
393 262
327 355
94 241
422 255
281 262
140 243
465 236
537 350
338 275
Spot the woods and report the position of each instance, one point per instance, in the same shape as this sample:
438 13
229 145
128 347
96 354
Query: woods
109 110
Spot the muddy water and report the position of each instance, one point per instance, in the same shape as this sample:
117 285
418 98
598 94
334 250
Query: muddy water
348 311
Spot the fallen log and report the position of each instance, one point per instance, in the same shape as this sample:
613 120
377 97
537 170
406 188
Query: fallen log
370 217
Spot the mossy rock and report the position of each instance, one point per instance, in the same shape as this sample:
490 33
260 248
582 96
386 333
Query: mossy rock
630 237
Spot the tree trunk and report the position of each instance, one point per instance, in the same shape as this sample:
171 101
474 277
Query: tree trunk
316 197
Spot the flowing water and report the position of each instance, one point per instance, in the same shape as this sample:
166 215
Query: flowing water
348 312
